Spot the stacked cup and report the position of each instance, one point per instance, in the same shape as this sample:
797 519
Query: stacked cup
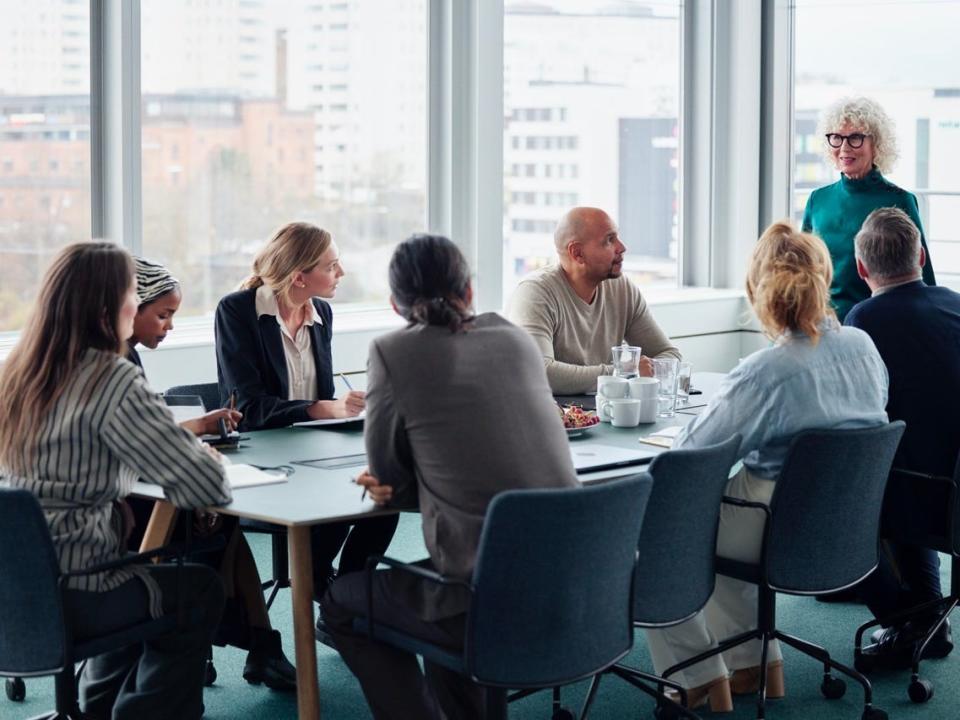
627 403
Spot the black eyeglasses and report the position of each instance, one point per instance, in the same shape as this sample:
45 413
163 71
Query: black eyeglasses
854 140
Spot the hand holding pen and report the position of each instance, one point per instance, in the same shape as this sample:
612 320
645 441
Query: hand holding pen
354 402
380 494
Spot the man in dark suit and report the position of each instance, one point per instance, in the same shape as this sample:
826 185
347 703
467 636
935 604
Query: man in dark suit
916 329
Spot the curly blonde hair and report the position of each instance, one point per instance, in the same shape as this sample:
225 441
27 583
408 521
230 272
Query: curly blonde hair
868 117
788 283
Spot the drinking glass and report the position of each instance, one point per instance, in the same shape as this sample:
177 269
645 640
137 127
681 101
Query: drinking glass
684 371
626 360
666 371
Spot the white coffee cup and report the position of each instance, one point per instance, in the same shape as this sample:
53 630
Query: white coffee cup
642 388
609 386
648 408
621 412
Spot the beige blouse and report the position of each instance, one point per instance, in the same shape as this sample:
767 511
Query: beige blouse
301 367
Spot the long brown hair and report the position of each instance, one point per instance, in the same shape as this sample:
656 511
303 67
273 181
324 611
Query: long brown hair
788 283
77 309
294 247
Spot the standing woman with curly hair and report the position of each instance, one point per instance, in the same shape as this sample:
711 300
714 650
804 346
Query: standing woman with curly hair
816 374
860 141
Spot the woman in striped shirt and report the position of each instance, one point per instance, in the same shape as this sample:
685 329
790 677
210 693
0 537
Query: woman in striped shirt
78 426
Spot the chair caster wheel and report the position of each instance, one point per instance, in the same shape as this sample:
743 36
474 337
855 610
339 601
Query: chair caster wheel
563 714
920 691
16 689
872 713
833 688
209 674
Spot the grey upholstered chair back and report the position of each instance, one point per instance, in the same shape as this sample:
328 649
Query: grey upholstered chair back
552 583
208 392
32 632
675 567
826 508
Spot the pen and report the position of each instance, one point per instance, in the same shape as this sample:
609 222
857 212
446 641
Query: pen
222 427
364 495
345 381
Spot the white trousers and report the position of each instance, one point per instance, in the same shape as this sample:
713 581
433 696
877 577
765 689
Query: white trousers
732 609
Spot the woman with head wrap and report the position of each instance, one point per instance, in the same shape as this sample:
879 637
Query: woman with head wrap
159 296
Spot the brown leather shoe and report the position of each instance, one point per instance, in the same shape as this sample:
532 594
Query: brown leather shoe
747 680
716 692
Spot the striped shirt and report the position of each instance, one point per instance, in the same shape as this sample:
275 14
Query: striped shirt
106 431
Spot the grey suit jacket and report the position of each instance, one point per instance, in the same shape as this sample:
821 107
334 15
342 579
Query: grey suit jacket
453 419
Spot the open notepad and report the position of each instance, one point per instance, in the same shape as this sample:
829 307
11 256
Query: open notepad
664 437
243 476
330 421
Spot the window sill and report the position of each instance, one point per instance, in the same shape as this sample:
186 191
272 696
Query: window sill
670 302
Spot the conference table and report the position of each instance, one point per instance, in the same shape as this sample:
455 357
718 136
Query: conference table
313 495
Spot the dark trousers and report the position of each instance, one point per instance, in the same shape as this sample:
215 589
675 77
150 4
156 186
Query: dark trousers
392 682
906 576
359 541
162 678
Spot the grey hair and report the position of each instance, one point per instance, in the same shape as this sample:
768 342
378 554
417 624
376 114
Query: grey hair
888 244
868 117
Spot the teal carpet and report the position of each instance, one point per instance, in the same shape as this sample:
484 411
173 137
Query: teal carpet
828 625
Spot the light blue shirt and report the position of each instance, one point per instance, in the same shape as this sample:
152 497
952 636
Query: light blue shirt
775 393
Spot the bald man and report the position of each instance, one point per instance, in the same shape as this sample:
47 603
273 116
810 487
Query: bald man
581 307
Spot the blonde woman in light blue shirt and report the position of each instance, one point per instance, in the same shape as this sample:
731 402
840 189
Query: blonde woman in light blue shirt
816 374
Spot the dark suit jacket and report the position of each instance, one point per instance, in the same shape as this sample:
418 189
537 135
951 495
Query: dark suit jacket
916 328
250 360
453 419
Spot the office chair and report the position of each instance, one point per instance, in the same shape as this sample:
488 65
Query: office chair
37 640
209 393
940 495
676 572
820 535
550 593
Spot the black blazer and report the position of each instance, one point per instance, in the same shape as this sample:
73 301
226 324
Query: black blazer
250 360
916 328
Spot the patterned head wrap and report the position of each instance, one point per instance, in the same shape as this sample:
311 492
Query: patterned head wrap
153 280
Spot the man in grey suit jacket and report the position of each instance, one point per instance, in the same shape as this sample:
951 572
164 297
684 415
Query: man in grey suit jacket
453 418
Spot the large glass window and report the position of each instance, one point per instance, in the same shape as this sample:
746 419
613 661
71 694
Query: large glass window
905 55
256 113
591 101
44 143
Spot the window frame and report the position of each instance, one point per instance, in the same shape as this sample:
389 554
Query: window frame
722 45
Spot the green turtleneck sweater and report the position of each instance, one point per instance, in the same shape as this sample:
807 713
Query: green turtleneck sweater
836 212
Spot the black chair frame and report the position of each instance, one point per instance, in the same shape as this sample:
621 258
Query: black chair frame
766 630
921 690
497 697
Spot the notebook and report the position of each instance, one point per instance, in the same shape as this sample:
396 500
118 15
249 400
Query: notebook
590 457
244 476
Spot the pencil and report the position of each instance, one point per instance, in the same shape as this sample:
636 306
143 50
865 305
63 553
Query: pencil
233 400
345 381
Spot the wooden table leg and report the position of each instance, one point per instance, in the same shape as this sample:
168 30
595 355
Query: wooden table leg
163 517
301 590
